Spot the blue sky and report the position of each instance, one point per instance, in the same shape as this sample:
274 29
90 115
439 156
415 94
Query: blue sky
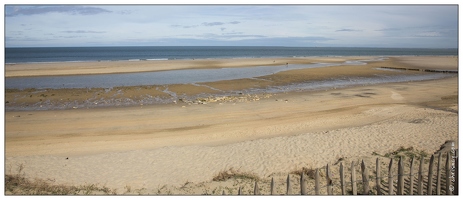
414 26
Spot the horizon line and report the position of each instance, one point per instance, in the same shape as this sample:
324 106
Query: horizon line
232 46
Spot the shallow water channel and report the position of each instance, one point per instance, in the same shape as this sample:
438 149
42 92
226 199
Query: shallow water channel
188 76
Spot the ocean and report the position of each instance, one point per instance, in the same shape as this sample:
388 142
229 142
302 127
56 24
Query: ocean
87 54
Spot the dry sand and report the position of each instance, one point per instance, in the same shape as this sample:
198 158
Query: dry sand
165 148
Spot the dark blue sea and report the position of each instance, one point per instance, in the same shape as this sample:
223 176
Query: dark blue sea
84 54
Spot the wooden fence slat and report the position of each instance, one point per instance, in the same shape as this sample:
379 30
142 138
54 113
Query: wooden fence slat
239 191
223 192
317 182
288 186
412 180
390 178
329 182
400 181
447 175
303 184
455 192
352 179
272 187
378 179
366 182
438 173
430 173
343 182
256 189
420 177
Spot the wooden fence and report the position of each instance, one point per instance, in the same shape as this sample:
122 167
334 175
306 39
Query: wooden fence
438 180
423 70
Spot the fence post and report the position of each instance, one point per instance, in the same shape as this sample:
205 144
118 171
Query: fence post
389 178
378 179
256 189
288 186
329 182
400 182
239 190
223 192
272 187
343 182
420 177
352 179
438 173
412 180
447 174
366 182
455 192
303 185
317 182
430 173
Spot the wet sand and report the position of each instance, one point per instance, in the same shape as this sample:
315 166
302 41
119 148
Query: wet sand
149 146
80 68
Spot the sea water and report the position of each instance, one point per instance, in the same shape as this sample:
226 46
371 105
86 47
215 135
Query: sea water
87 54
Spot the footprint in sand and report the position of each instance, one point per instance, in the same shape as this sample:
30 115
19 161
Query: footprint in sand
396 96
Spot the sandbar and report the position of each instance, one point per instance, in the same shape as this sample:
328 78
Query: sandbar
107 67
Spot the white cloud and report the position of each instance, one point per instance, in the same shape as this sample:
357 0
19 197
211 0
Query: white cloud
12 11
323 25
429 34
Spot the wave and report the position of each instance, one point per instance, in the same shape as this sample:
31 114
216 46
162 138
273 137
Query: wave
150 59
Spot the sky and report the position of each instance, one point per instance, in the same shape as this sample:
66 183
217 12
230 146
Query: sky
403 26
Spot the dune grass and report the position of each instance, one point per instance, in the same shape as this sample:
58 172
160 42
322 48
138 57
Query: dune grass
236 174
18 184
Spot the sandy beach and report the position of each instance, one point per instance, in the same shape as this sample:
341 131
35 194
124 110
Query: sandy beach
179 147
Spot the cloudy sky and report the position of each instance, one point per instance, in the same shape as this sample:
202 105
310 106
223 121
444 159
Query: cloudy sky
416 26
